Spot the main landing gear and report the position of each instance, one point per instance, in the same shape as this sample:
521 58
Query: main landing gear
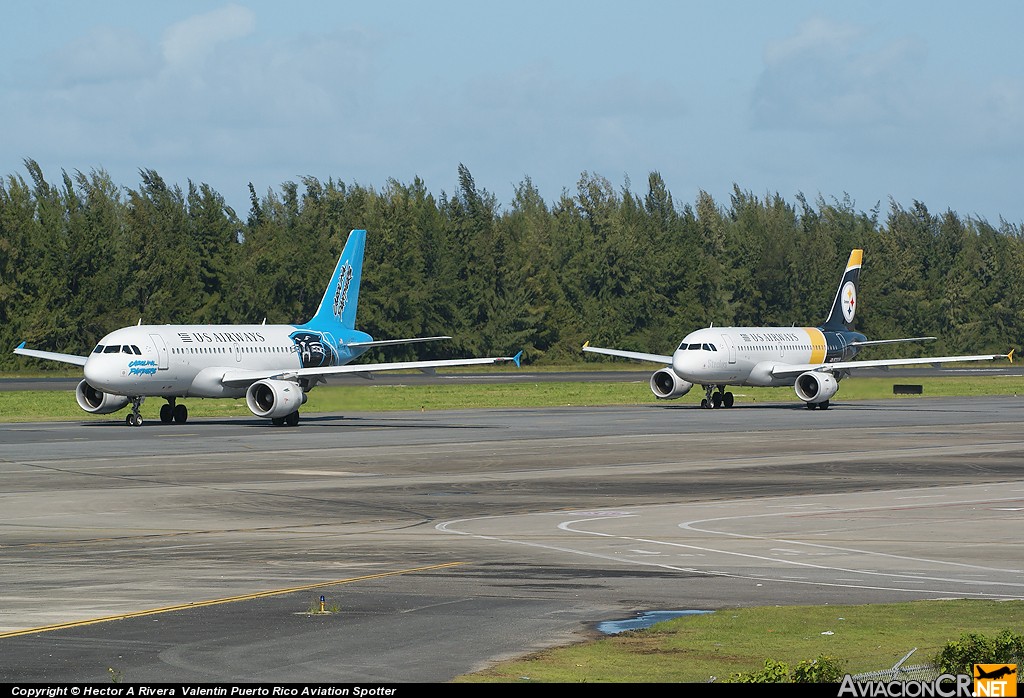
823 405
715 396
173 413
291 420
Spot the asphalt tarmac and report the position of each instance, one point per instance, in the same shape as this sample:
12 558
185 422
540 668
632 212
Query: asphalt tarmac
444 541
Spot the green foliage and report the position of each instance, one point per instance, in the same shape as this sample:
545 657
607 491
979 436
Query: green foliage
773 672
823 669
82 256
959 656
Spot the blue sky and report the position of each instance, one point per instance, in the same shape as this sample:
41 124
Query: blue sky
910 100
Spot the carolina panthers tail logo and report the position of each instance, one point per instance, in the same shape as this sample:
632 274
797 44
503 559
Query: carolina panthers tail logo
314 350
341 294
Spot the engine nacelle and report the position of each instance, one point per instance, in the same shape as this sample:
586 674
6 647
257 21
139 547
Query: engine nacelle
816 387
273 399
96 401
667 385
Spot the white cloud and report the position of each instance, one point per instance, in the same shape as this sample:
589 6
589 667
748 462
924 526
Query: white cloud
187 44
829 75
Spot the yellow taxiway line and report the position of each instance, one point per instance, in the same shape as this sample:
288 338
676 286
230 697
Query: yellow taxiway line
227 599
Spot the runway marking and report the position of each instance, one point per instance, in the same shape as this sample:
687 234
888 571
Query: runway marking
216 602
913 580
692 526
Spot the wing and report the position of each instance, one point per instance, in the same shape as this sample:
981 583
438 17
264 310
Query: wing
243 377
51 355
637 355
796 369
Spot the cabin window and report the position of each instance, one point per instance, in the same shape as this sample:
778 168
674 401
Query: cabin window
112 349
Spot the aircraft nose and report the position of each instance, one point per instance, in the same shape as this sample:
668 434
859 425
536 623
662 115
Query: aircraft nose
91 370
680 363
95 373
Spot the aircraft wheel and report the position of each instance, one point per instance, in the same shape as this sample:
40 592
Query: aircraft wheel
180 414
292 419
277 421
704 403
130 420
810 405
727 399
166 413
716 400
823 405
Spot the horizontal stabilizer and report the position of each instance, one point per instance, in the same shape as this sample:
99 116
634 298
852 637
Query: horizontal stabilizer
51 355
868 343
388 342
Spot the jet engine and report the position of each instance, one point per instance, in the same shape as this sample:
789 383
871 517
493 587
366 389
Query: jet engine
96 401
667 385
816 387
273 398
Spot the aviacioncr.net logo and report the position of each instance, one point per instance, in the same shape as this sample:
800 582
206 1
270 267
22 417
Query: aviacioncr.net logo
995 680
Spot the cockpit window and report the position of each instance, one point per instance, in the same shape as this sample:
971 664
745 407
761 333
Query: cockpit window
136 350
694 346
126 349
98 349
112 349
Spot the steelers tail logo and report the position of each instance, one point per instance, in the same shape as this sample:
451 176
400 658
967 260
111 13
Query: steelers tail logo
849 295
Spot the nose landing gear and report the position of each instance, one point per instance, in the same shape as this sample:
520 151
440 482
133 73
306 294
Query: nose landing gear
715 396
135 418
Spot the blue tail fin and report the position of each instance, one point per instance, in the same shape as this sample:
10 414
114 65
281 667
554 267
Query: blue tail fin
338 308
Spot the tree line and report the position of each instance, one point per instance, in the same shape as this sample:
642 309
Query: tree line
82 256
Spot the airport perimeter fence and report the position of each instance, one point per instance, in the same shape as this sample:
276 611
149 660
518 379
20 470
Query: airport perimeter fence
919 672
900 672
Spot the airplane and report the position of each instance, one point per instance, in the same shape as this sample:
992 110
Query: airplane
999 673
272 366
811 359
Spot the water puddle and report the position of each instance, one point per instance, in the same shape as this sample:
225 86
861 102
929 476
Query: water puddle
643 620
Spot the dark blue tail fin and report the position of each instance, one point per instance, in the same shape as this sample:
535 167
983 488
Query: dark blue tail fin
844 307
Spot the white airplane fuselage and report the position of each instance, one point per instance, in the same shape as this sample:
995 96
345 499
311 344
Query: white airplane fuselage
746 355
191 360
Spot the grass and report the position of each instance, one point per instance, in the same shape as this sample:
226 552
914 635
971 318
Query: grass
21 406
696 648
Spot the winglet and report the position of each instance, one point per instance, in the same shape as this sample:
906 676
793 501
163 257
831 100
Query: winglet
586 344
22 346
518 357
1008 356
